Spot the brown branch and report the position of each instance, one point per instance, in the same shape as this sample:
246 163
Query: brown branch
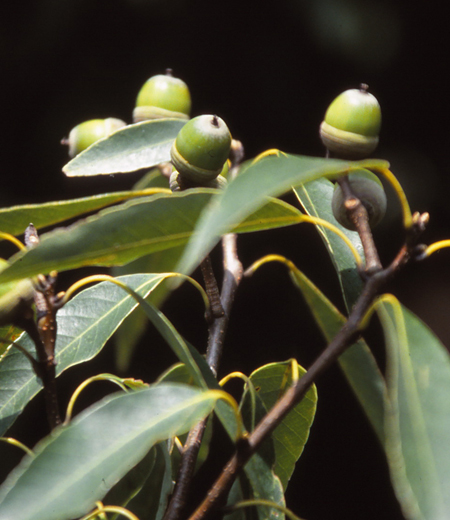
360 219
212 290
43 333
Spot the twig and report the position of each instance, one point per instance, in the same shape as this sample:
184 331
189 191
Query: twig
212 290
358 215
43 332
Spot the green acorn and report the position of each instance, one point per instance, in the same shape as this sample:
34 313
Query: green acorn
88 132
201 149
367 187
163 96
352 124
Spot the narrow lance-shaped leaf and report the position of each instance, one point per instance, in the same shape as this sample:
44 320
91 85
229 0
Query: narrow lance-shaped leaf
131 148
76 465
357 362
316 197
121 234
271 176
85 323
15 219
417 414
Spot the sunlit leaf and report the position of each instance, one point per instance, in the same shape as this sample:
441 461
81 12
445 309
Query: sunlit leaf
15 219
85 323
136 228
76 465
270 176
417 414
131 148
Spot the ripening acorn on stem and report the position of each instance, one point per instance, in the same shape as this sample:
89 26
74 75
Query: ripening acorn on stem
201 149
351 125
367 187
87 133
162 96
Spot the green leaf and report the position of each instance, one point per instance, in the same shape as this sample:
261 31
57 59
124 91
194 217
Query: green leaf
136 228
76 465
85 323
128 335
131 148
179 373
271 176
15 219
417 414
132 483
357 362
151 502
235 495
266 485
174 340
289 438
316 197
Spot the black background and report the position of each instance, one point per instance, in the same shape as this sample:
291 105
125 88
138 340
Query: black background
270 70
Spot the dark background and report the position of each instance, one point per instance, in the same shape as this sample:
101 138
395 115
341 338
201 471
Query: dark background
270 70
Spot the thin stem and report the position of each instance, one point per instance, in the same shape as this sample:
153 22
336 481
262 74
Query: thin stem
358 215
18 444
212 290
43 332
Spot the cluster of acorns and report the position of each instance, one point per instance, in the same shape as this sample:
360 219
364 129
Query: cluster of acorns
200 152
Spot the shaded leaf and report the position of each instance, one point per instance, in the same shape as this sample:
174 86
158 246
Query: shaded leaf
15 219
136 228
316 197
417 414
264 484
289 438
235 495
271 176
76 465
85 323
134 326
151 502
357 362
133 482
179 373
131 148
